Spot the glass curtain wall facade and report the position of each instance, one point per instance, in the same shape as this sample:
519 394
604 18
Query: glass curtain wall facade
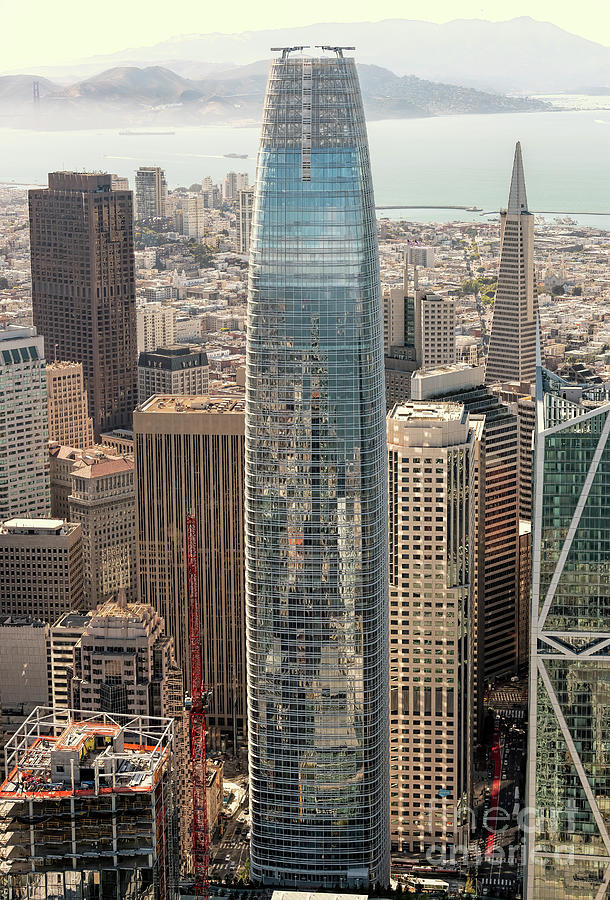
569 759
316 492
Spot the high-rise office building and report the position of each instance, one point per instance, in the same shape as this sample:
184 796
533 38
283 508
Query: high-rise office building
156 326
65 633
432 450
233 183
512 344
24 462
119 183
151 193
123 661
418 327
193 216
190 457
434 330
103 502
24 677
520 399
177 369
524 593
41 561
394 303
497 558
83 287
87 808
245 199
69 420
24 674
316 510
569 712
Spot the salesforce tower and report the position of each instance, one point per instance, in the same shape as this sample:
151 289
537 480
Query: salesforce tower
316 490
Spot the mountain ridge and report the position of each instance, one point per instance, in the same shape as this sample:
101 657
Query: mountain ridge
519 55
156 94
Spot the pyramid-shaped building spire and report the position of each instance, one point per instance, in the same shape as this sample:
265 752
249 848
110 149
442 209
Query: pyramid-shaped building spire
512 345
517 198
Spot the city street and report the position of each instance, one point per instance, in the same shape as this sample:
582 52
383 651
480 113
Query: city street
230 847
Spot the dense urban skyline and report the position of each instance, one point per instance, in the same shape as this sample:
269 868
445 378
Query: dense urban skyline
382 614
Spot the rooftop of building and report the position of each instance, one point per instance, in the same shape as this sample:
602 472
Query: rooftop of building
173 358
21 622
449 369
118 608
425 410
62 451
73 620
17 332
99 466
57 364
167 403
37 526
60 753
96 182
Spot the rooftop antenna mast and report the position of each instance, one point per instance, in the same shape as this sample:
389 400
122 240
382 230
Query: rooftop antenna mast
286 50
337 50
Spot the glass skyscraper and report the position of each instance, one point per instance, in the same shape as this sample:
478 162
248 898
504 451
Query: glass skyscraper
569 750
316 493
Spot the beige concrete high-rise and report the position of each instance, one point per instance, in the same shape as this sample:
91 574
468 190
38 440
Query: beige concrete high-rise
65 633
156 326
69 420
122 661
83 287
245 200
189 455
512 344
41 561
193 212
394 303
432 458
61 462
434 330
498 514
103 501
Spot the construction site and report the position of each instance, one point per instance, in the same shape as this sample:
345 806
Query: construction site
87 808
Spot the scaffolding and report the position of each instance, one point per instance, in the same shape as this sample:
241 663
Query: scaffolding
87 808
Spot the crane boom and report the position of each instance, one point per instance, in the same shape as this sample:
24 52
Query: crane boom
201 836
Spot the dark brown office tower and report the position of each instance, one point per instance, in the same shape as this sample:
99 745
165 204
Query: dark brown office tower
83 287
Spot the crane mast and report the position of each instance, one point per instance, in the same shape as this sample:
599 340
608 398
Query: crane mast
201 835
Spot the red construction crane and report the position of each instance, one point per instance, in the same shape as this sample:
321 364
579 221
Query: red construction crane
201 835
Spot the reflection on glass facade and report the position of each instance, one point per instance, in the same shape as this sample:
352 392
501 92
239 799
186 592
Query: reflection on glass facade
316 508
569 754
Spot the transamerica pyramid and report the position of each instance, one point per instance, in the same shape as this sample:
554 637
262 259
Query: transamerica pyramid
512 346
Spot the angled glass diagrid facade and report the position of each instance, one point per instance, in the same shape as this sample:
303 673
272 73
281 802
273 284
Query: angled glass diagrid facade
569 753
316 504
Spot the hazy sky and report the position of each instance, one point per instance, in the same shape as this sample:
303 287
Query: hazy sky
48 32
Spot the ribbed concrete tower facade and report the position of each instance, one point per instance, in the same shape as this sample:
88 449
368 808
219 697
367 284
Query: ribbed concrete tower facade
512 346
316 510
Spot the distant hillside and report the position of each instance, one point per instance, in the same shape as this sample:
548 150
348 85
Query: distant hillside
520 55
18 88
156 95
